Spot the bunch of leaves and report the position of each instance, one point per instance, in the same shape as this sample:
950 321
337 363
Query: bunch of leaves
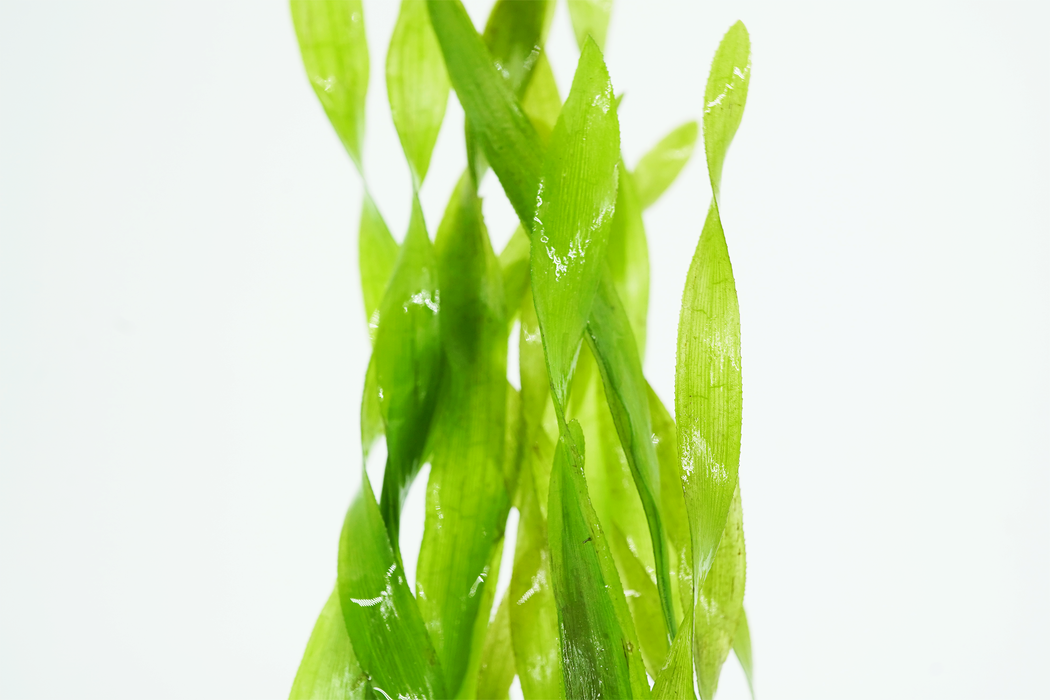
628 565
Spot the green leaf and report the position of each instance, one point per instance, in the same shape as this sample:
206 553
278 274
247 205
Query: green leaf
417 85
385 627
408 357
497 656
514 261
724 98
610 337
329 669
533 611
467 501
660 166
575 199
720 604
708 394
742 649
675 680
377 253
590 18
332 41
502 129
672 504
628 257
541 101
599 648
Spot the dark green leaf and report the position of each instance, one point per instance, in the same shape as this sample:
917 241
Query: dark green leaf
467 501
417 85
332 42
590 18
408 358
329 669
660 166
505 133
599 648
575 203
382 618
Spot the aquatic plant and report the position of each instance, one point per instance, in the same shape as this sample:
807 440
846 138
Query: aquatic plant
629 563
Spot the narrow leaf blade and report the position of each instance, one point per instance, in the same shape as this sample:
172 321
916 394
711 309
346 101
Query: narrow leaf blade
724 98
742 649
590 18
329 669
332 41
417 85
661 165
377 254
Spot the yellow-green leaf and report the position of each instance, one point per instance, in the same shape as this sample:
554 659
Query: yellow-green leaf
590 18
332 41
724 98
377 253
660 166
417 85
329 669
742 649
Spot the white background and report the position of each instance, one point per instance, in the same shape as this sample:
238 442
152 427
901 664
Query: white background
182 342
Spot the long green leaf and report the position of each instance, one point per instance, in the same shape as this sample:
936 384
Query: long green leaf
590 18
708 397
408 357
742 649
661 165
533 610
377 253
501 126
497 657
385 627
514 261
329 669
708 393
417 85
332 41
675 680
628 257
467 501
720 604
599 648
724 98
541 101
576 198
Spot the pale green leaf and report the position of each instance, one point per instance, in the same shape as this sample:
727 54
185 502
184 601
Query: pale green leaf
675 680
332 41
417 85
742 649
628 257
590 18
719 605
377 253
514 261
541 100
661 165
329 669
724 98
497 656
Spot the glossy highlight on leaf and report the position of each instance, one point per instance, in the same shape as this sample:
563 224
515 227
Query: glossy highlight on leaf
386 630
575 201
332 42
724 98
417 85
408 357
660 166
329 669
